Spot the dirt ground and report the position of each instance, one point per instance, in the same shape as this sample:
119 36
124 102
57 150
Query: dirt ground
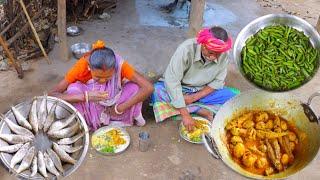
149 49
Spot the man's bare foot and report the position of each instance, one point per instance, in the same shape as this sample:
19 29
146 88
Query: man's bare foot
206 114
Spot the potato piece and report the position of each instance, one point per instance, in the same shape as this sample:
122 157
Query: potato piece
262 117
261 162
285 159
231 124
292 145
284 125
236 139
238 131
239 150
278 130
261 125
263 148
249 159
292 136
248 124
269 124
244 117
269 171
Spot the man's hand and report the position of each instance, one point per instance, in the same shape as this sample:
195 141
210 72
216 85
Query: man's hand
97 95
188 122
188 99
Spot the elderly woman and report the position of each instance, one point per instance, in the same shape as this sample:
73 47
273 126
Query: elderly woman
195 77
105 89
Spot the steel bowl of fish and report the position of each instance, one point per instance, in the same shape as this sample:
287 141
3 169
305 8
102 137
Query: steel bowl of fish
73 30
43 138
79 49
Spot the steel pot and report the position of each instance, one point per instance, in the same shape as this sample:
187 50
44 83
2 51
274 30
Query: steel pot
283 104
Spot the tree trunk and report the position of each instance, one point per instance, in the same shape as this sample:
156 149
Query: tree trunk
62 30
196 17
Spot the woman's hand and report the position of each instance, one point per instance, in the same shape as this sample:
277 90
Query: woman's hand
112 111
97 95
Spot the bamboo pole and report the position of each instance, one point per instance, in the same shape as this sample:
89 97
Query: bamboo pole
196 17
34 31
11 58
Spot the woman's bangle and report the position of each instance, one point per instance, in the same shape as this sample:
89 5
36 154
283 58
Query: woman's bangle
86 96
116 110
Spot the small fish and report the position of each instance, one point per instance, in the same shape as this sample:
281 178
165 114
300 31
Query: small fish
57 125
42 111
50 165
66 132
33 117
70 149
15 139
16 128
22 121
42 165
50 118
34 167
71 140
56 160
11 148
19 155
27 160
62 154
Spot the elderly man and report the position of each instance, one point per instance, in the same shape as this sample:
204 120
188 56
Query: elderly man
194 79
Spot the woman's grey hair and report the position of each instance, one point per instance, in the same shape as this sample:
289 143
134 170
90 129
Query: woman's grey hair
103 58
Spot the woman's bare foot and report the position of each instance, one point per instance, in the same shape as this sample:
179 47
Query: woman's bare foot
206 114
140 121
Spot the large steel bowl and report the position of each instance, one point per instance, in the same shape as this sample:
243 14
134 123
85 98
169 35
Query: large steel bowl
274 19
284 104
63 110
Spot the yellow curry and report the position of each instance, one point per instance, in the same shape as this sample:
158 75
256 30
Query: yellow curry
262 142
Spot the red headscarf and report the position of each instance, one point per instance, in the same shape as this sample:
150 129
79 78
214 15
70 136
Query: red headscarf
206 38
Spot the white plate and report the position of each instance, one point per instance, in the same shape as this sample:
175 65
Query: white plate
120 148
186 137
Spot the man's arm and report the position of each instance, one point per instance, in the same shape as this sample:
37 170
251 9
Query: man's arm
217 83
173 76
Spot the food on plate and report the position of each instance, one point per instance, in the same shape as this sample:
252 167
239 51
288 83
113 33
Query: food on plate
109 141
200 127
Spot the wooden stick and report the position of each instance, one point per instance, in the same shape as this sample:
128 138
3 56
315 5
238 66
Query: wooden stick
34 31
196 17
11 58
13 21
318 25
21 31
62 29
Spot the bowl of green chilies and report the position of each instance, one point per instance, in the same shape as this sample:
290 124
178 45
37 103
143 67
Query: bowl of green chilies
278 52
